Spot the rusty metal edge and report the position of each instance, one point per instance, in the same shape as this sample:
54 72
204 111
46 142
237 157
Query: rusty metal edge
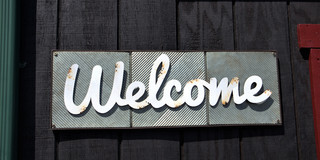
279 87
177 127
51 89
57 50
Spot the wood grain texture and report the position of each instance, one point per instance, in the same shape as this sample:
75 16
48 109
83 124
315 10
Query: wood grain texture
150 144
87 25
264 26
211 143
45 42
207 26
90 144
303 13
148 25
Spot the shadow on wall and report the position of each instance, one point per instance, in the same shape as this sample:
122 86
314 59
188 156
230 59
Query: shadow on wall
27 60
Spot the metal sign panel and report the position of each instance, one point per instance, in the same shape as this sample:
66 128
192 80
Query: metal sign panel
244 65
184 66
61 118
164 89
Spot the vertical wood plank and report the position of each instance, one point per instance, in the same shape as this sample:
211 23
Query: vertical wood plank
45 42
148 25
88 144
207 26
303 13
88 25
26 130
314 68
148 144
264 26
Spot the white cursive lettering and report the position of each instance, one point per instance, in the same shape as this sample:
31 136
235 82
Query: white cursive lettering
155 82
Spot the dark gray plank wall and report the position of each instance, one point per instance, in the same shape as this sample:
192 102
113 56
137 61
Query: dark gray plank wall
207 25
303 13
87 145
45 41
148 25
87 25
204 25
264 26
177 25
26 141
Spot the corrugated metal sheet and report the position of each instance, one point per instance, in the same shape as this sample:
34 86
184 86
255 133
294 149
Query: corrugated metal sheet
185 66
9 81
61 118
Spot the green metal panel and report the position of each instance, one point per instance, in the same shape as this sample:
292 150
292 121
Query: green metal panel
8 78
244 65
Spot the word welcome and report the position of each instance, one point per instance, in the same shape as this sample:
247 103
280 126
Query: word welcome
155 82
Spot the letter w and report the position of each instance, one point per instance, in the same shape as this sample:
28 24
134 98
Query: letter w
93 93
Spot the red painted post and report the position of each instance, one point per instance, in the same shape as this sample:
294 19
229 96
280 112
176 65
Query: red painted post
309 37
314 68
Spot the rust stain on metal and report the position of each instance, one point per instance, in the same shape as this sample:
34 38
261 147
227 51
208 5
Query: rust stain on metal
234 80
117 66
178 103
226 99
142 104
70 74
267 92
162 72
83 108
194 80
69 71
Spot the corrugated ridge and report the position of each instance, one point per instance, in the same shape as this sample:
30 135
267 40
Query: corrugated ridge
86 61
165 116
8 72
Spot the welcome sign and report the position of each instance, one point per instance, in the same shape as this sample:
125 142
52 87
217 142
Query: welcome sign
164 89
